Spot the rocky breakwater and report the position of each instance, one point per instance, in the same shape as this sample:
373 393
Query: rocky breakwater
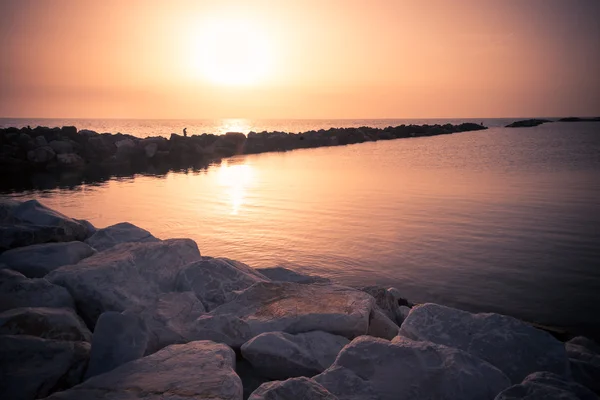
116 313
51 149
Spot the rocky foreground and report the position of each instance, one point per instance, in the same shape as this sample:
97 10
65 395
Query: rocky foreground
116 313
48 149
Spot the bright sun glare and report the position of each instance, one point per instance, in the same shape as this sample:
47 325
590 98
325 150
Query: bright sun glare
231 52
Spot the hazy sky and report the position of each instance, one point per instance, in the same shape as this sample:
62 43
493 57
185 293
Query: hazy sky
299 59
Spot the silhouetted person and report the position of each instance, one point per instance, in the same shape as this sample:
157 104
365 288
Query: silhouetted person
185 132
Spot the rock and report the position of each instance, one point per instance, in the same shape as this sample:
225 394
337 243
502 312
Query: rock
513 346
18 291
118 338
61 146
297 308
170 319
32 368
89 228
251 379
371 368
227 329
213 280
123 232
40 141
41 155
381 326
584 360
45 323
386 301
280 274
280 355
19 235
70 160
527 123
125 143
404 311
129 275
196 370
297 388
398 296
150 149
546 385
38 260
87 133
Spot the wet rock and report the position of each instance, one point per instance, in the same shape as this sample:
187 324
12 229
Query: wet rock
214 280
546 385
297 388
41 155
196 370
129 275
280 355
123 232
17 291
45 323
371 368
118 338
280 274
38 260
32 368
513 346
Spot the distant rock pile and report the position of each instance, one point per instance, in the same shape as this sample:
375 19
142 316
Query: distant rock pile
527 123
44 149
116 313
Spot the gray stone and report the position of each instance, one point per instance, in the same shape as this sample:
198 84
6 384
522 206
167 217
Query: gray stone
40 141
41 155
88 133
513 346
280 355
399 298
296 388
38 260
227 329
126 143
381 326
70 160
546 385
61 146
280 274
32 368
129 275
89 228
371 368
386 301
118 338
196 370
297 308
14 235
213 280
45 323
17 291
123 232
584 360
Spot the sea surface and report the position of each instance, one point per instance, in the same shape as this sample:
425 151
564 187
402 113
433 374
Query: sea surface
502 220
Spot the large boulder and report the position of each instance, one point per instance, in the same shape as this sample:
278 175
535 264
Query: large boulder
213 280
13 235
584 360
45 323
16 290
196 370
381 326
41 155
546 385
513 346
61 146
70 160
32 368
371 368
280 355
227 329
280 274
118 338
123 232
297 308
296 388
128 275
386 301
38 260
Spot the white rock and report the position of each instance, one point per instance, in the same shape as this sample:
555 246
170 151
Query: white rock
16 291
296 388
371 368
129 275
297 308
196 370
38 260
32 368
123 232
280 274
381 326
213 280
280 355
513 346
118 338
546 385
46 323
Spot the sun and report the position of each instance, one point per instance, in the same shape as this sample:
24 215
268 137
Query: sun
231 52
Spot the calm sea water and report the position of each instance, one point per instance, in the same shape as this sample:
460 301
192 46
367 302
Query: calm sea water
504 220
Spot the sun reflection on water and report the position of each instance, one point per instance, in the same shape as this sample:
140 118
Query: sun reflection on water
235 125
235 178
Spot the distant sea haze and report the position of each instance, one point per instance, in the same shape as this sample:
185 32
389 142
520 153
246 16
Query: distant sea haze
164 127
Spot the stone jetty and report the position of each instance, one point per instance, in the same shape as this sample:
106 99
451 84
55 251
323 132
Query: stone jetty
117 313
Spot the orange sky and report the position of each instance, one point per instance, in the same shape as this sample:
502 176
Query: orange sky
317 58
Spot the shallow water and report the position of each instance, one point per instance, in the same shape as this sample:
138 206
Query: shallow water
504 220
